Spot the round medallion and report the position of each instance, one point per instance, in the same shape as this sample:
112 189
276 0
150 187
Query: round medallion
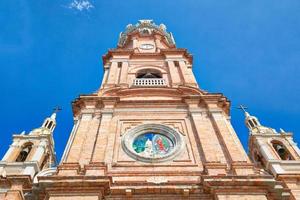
152 143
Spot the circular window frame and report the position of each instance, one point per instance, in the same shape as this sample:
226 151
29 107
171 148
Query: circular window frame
129 137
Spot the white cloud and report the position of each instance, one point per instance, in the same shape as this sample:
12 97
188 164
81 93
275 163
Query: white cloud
81 5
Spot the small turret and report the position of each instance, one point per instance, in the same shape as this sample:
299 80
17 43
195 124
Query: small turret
254 125
50 122
29 154
275 152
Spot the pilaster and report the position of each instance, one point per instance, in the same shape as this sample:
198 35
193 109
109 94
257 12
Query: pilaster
85 133
9 155
189 78
227 135
112 77
124 73
102 137
174 74
207 138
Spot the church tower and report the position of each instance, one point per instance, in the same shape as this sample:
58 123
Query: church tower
150 132
27 156
275 152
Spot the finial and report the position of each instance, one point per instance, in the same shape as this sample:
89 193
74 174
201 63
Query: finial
145 21
281 130
163 27
55 110
243 108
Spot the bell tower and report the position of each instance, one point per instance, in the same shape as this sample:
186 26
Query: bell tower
276 152
149 41
27 155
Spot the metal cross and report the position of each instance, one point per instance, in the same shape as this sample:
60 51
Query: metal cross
57 109
242 108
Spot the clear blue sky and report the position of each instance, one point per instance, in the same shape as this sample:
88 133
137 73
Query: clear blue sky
50 52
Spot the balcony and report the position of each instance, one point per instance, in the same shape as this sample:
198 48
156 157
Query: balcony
149 82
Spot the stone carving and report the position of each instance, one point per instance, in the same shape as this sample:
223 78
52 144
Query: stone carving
145 27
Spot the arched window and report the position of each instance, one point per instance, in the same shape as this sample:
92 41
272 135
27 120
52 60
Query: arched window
46 123
251 124
148 73
255 122
281 150
24 153
50 125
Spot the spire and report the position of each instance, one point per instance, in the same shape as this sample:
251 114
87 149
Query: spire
250 121
50 122
243 108
55 110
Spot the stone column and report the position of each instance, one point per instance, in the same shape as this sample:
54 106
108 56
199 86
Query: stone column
85 133
118 72
40 151
80 135
70 141
175 78
112 73
209 142
227 135
102 137
8 155
134 42
294 146
265 150
188 74
89 139
124 73
104 80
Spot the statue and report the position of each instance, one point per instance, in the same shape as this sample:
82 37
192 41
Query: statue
148 148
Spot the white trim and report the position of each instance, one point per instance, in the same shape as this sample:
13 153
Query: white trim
70 141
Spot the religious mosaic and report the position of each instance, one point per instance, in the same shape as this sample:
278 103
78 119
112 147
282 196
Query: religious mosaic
152 145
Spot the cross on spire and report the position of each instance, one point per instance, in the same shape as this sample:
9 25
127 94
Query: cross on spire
243 108
57 109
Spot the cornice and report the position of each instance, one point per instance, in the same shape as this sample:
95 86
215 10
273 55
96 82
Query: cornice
162 54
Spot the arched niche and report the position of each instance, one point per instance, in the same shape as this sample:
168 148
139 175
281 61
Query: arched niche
148 73
281 150
135 69
24 152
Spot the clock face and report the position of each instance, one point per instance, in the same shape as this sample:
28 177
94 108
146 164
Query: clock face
147 46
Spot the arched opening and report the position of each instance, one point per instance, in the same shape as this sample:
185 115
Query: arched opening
46 124
251 124
148 73
281 150
50 125
24 153
255 122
